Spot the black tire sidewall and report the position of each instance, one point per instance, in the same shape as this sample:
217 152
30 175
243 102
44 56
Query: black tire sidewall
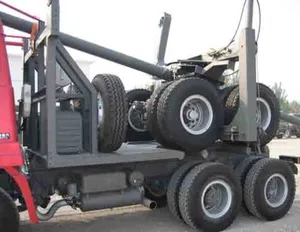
137 95
9 215
152 120
175 130
174 186
112 131
200 218
263 208
267 94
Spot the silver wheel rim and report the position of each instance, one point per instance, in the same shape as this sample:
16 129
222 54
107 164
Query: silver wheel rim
216 199
263 113
276 190
100 109
196 114
133 126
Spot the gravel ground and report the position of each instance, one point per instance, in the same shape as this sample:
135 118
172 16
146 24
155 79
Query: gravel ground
140 219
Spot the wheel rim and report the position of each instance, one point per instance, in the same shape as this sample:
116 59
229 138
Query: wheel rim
216 199
100 109
196 114
263 113
137 118
276 190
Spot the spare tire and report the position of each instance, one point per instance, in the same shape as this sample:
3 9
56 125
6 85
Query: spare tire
137 128
190 114
268 111
152 123
112 112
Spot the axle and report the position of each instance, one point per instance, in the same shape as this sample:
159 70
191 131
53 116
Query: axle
93 49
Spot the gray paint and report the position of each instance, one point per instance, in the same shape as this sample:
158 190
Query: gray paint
165 24
92 48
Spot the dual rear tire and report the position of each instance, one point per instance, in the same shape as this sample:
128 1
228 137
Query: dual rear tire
268 187
205 196
208 196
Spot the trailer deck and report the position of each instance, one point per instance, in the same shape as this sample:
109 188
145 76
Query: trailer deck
128 153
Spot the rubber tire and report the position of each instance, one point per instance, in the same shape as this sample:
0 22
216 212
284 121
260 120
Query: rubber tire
112 132
267 94
174 187
9 215
254 189
168 114
242 169
279 136
152 123
194 183
228 113
137 95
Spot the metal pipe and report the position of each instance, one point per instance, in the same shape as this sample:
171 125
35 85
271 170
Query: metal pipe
149 203
16 23
53 209
289 118
115 56
249 14
93 49
106 200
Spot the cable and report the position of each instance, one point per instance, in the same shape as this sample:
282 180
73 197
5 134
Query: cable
259 20
238 26
230 74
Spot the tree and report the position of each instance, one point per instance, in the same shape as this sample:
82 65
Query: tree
282 97
295 107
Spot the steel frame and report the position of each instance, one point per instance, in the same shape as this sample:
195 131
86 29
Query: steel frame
39 134
44 95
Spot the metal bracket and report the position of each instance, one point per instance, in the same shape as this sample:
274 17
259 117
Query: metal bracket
165 23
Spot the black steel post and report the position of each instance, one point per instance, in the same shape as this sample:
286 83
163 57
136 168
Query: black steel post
53 25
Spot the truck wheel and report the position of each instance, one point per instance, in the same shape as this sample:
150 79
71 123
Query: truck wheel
267 113
174 186
9 215
137 130
288 134
190 114
242 169
228 113
269 189
152 123
112 112
210 197
279 136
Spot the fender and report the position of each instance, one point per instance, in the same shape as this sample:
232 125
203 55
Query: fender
11 157
23 184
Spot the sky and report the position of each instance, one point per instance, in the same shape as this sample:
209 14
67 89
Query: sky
131 27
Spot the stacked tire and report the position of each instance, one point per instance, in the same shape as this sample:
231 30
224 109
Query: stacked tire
186 114
137 129
112 112
268 110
